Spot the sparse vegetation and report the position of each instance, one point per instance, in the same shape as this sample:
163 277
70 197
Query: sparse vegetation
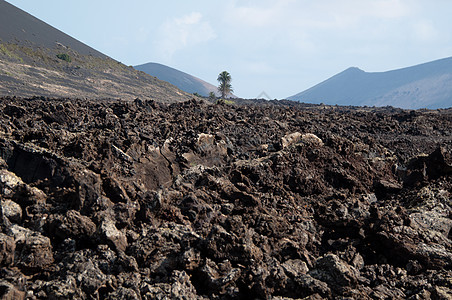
225 87
223 101
6 50
65 57
32 55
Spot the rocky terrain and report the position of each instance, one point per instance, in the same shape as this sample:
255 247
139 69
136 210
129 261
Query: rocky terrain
143 200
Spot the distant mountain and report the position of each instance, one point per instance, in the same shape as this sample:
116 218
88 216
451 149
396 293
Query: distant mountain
427 85
184 81
37 59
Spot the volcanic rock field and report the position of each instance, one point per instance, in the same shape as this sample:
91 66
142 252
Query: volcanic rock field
193 200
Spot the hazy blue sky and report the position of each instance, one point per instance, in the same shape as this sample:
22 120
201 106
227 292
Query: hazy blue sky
280 47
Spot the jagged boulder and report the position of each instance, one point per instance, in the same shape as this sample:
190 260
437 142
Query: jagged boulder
7 249
114 237
9 182
11 210
336 272
33 251
72 225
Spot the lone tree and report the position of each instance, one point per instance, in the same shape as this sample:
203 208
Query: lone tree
225 87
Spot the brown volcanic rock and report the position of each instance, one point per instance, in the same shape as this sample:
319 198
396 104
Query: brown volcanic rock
33 250
145 200
71 225
7 248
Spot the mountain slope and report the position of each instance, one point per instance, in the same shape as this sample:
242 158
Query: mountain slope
427 85
184 81
17 25
37 59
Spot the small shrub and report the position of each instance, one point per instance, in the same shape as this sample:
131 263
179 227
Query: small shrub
222 101
64 56
10 51
212 96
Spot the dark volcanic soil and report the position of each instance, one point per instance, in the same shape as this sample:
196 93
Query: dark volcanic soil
122 200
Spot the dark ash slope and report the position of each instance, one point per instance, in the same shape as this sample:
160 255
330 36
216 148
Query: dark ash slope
29 65
18 26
